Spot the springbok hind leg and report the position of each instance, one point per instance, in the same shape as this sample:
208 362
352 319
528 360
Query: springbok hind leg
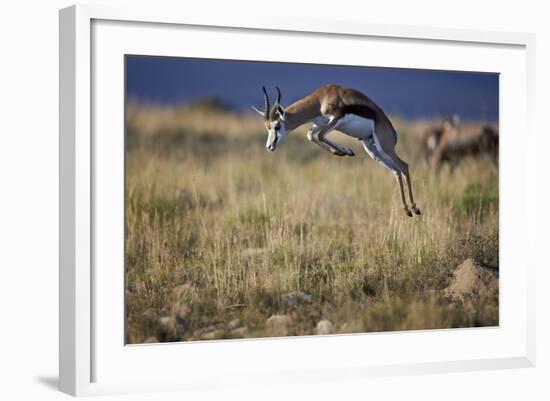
404 168
372 150
411 198
402 192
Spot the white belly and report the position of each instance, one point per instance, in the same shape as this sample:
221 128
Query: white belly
350 124
356 126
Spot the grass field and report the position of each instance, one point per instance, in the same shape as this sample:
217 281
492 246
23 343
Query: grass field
227 240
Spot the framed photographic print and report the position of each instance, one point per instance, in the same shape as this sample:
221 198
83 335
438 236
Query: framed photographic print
233 215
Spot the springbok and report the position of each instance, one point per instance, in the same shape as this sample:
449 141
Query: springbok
452 142
347 110
432 136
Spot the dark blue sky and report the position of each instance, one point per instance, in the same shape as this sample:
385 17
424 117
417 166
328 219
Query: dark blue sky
405 92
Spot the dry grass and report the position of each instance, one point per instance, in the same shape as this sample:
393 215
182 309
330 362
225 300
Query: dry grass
221 234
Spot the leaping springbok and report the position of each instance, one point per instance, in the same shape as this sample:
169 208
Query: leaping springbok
347 110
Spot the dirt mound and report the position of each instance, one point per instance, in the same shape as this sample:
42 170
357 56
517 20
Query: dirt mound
473 280
279 325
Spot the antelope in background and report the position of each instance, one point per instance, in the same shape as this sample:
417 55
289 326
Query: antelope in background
347 110
451 142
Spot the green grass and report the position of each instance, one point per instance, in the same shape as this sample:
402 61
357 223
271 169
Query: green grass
219 231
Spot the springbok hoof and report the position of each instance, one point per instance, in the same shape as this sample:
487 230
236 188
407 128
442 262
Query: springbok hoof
416 210
350 152
338 153
409 213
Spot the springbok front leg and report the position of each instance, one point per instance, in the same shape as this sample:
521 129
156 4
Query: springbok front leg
341 149
312 136
324 131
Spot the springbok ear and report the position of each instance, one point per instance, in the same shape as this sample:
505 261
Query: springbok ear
258 111
281 111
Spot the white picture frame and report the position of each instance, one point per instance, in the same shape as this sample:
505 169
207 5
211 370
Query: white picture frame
82 342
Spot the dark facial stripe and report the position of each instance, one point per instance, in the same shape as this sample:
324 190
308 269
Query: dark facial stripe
275 140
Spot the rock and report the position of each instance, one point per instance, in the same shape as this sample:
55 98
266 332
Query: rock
278 325
169 329
296 299
233 324
239 332
325 327
211 335
472 280
207 333
173 326
150 314
151 340
167 322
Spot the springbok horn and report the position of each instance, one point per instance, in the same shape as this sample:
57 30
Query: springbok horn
266 104
277 104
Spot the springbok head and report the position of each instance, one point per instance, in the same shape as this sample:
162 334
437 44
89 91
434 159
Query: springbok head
451 122
274 121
